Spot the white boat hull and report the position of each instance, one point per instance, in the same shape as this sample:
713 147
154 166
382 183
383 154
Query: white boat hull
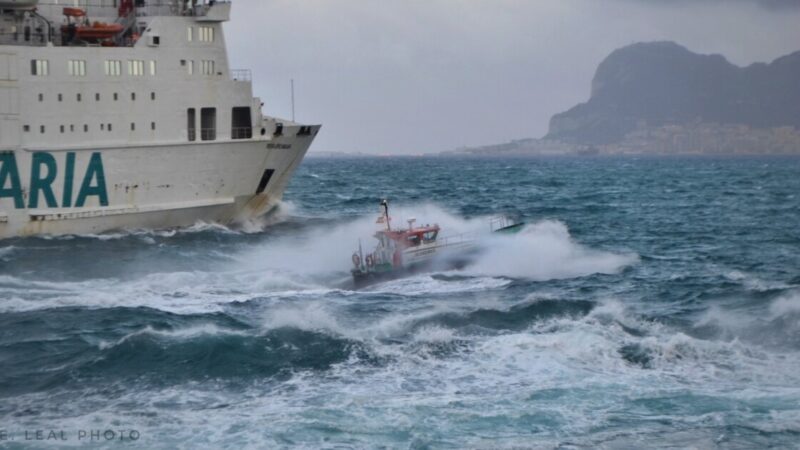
144 187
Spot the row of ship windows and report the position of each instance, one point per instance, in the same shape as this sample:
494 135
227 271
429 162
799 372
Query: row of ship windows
204 34
77 68
113 68
103 127
79 97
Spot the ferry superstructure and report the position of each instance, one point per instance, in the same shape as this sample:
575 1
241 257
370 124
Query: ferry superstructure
125 114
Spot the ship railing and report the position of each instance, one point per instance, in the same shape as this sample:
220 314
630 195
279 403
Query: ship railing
242 133
162 8
241 75
457 239
176 7
32 38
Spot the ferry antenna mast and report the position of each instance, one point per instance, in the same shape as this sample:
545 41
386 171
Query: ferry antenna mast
292 99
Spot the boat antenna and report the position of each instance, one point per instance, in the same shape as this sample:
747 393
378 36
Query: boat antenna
385 204
292 99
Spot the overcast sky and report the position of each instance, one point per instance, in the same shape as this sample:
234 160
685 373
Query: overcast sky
414 76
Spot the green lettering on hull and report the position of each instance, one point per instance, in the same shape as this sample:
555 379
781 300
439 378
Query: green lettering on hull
9 175
43 184
44 171
93 172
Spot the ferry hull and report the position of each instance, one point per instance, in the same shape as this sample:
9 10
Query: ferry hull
89 190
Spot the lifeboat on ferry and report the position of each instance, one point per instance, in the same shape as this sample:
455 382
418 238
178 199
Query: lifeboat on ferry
18 4
98 31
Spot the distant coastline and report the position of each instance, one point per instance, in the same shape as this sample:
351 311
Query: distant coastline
659 98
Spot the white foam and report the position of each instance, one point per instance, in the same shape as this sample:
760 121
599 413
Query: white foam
786 304
546 251
187 333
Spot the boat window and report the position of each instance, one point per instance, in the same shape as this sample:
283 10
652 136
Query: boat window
76 68
41 97
61 129
207 67
152 68
102 127
189 34
413 240
133 126
430 236
79 97
85 128
241 128
72 128
133 96
152 96
208 124
41 129
205 34
97 97
190 128
113 68
116 96
40 67
109 127
26 128
152 125
60 97
136 68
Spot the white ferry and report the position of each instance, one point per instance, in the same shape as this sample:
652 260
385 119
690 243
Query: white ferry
125 114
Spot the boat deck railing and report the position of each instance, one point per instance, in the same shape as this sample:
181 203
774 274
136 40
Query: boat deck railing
457 239
500 222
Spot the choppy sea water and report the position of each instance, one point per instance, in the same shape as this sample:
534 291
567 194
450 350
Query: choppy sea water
649 303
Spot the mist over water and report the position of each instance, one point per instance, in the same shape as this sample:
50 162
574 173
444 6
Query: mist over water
647 302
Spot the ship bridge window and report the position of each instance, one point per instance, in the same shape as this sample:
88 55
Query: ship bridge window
205 34
40 67
136 68
207 67
208 124
113 68
189 66
242 127
76 68
191 128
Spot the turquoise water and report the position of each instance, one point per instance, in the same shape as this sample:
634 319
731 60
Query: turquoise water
649 303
